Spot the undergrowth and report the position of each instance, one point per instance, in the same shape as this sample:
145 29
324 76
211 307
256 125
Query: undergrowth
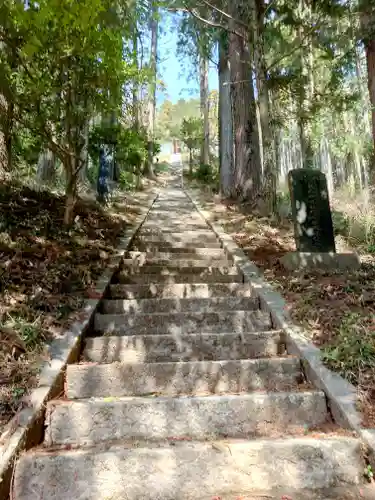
45 274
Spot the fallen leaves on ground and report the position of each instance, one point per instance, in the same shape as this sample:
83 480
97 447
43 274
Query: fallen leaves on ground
337 309
45 274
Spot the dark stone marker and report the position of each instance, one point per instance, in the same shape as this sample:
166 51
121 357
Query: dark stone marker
313 228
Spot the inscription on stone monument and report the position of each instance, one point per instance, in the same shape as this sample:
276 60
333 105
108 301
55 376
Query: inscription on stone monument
313 228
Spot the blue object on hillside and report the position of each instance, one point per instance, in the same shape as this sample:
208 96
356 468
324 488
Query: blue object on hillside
103 174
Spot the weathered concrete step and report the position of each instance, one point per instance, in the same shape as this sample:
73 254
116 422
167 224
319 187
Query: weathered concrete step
359 492
181 228
164 209
89 422
189 470
183 204
147 306
191 347
179 234
156 219
177 278
163 246
180 239
180 291
192 377
183 238
173 268
214 254
141 259
183 323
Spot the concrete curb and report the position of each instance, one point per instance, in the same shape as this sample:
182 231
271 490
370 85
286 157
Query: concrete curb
26 429
341 395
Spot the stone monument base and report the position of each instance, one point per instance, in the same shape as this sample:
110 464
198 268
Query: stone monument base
321 260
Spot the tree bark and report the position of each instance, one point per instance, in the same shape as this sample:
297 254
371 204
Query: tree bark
70 191
306 87
204 107
370 57
84 153
46 171
149 169
267 134
247 172
225 120
6 133
135 84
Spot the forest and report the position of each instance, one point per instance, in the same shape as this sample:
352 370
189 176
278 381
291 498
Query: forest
296 89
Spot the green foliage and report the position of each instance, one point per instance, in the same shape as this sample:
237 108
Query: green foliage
191 132
63 63
353 352
207 175
130 144
204 174
131 150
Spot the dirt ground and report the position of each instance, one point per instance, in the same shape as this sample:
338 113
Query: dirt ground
46 272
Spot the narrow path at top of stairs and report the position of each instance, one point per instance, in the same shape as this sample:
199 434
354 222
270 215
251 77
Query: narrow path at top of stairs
184 389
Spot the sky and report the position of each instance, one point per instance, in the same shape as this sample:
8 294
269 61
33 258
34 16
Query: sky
172 72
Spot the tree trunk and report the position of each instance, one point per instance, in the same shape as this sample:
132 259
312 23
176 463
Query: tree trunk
247 172
46 171
306 87
85 153
191 162
269 159
149 170
205 109
225 120
6 132
135 84
370 57
70 191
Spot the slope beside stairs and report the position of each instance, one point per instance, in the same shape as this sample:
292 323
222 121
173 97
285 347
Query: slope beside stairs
185 390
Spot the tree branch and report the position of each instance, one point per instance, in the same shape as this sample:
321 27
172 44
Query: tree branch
297 47
212 23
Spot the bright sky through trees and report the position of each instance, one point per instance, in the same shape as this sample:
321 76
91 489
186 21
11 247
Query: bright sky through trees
179 77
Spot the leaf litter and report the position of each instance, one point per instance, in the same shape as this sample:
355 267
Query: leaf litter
336 309
46 272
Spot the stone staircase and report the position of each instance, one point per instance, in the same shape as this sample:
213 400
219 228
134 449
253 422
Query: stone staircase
185 391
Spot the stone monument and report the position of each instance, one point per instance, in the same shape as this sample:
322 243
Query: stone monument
313 227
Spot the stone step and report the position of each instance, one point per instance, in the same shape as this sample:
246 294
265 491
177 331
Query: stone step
162 246
141 259
180 291
157 219
192 347
165 209
182 202
147 306
180 228
198 254
90 422
179 234
183 323
189 378
193 470
176 278
184 240
131 267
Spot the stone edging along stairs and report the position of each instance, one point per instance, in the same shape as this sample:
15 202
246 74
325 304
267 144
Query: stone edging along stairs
185 389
